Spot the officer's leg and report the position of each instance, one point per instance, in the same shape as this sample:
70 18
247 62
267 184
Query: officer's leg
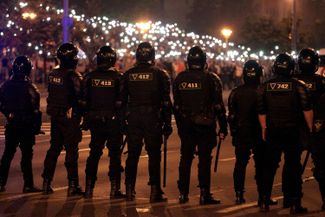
242 152
52 156
72 137
11 143
292 170
206 142
26 147
135 136
115 166
153 141
318 153
271 164
188 145
97 143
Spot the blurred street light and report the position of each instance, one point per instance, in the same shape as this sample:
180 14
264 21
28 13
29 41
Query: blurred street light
29 15
144 26
226 33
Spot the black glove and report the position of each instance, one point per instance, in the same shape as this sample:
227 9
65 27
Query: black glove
167 130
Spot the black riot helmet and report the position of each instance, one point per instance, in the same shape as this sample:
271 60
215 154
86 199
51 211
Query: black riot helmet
22 65
106 57
68 56
308 61
252 72
196 58
145 53
284 65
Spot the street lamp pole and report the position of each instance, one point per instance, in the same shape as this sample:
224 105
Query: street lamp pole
294 34
65 21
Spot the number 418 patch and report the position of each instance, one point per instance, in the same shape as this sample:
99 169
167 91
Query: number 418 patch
279 86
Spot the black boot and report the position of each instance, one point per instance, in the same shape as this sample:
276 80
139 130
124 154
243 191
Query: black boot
206 197
29 186
47 189
31 189
264 204
74 189
156 194
272 202
90 184
296 207
183 198
130 193
116 189
240 197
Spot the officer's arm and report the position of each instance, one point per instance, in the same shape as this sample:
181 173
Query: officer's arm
232 112
218 104
1 99
76 79
261 109
176 97
37 114
85 91
166 101
306 104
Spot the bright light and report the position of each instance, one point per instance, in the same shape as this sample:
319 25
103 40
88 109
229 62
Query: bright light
29 15
143 26
226 33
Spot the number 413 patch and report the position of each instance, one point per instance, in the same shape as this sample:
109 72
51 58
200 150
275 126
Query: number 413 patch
279 86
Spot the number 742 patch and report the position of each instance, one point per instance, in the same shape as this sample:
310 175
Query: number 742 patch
279 86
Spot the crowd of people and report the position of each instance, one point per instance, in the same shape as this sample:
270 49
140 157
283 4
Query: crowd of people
282 115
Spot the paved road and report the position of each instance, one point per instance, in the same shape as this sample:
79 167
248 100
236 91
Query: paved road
14 203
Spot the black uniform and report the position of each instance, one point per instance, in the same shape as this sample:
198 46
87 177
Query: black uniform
20 102
318 145
283 101
308 61
64 90
246 133
197 102
102 96
147 91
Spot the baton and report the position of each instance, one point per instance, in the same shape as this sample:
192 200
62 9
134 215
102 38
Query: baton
217 156
123 144
165 161
305 162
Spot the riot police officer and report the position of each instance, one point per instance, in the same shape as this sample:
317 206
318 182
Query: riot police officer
245 129
64 108
308 62
283 105
103 103
20 102
147 93
197 103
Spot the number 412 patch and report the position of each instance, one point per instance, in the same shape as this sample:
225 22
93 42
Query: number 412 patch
279 86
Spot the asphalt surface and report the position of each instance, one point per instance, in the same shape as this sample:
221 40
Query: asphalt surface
14 203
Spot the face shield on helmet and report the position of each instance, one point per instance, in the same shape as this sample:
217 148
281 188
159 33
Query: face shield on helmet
22 65
68 56
106 57
284 65
145 53
308 61
196 58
